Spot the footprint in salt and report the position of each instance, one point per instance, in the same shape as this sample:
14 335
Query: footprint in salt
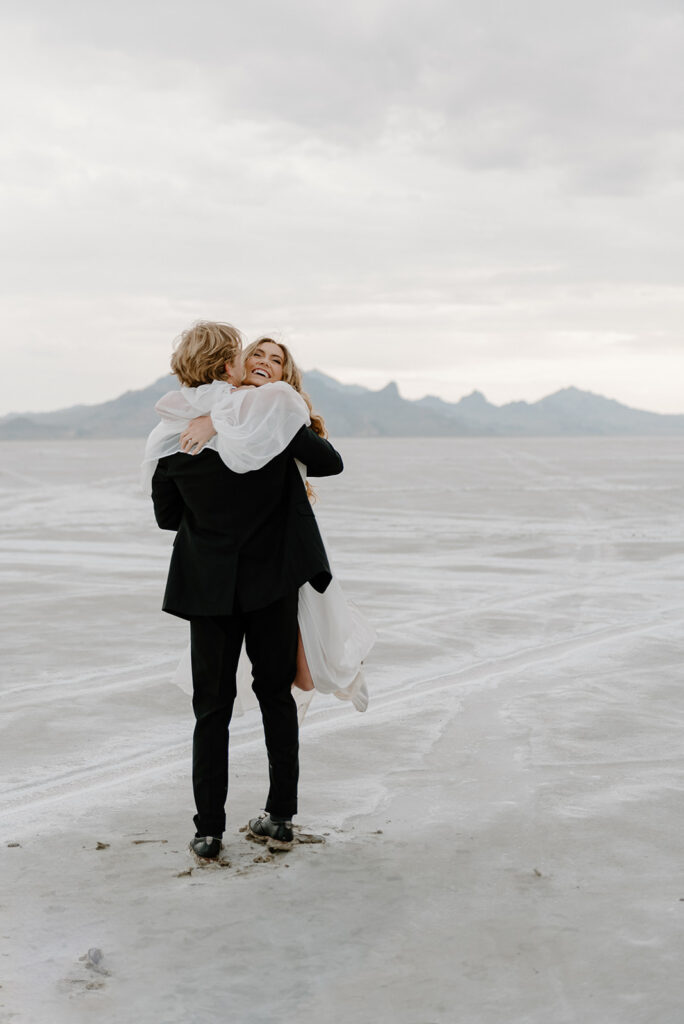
93 963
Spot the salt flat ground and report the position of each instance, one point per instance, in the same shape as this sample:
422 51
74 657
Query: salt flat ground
504 825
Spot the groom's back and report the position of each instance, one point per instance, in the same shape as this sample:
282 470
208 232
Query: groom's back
242 538
220 502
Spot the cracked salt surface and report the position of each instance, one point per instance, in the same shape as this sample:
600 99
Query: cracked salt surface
508 808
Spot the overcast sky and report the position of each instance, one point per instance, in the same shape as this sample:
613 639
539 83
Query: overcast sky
452 195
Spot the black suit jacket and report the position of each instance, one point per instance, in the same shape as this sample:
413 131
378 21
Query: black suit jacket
243 539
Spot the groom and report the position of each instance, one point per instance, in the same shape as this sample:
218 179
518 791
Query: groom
244 545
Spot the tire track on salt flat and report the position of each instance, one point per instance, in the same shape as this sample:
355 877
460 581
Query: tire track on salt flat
401 622
123 771
59 688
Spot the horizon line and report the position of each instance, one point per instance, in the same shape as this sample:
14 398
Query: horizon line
383 387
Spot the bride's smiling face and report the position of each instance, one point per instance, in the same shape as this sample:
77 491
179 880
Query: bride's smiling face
265 365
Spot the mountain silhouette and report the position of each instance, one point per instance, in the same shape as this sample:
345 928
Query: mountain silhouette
351 410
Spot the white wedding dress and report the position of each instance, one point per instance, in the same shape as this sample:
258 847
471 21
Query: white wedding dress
252 427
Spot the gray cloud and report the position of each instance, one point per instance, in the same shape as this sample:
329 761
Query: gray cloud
490 179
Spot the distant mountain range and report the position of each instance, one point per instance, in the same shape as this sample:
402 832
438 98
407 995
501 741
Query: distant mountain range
354 411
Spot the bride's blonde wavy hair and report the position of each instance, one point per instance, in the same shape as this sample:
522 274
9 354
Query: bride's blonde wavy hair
292 375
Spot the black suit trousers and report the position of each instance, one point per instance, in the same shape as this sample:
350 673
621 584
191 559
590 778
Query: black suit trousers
270 636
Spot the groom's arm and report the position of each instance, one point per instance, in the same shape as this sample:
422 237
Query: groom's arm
167 500
317 454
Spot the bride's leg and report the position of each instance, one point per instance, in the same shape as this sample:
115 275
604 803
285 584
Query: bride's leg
303 678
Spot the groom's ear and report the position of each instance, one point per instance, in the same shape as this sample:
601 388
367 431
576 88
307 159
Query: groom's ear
235 371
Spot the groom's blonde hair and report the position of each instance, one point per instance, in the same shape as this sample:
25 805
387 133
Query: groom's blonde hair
202 351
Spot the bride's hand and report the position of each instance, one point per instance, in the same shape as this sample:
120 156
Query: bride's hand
199 431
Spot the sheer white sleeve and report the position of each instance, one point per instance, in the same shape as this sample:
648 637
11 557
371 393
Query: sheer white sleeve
256 424
252 425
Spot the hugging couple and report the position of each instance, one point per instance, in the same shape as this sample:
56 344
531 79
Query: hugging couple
227 466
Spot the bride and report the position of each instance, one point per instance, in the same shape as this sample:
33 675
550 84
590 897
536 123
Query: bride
247 430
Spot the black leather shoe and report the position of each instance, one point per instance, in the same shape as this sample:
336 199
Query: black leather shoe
268 831
206 847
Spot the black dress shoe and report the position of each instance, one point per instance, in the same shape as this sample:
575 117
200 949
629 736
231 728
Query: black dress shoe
206 847
268 831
